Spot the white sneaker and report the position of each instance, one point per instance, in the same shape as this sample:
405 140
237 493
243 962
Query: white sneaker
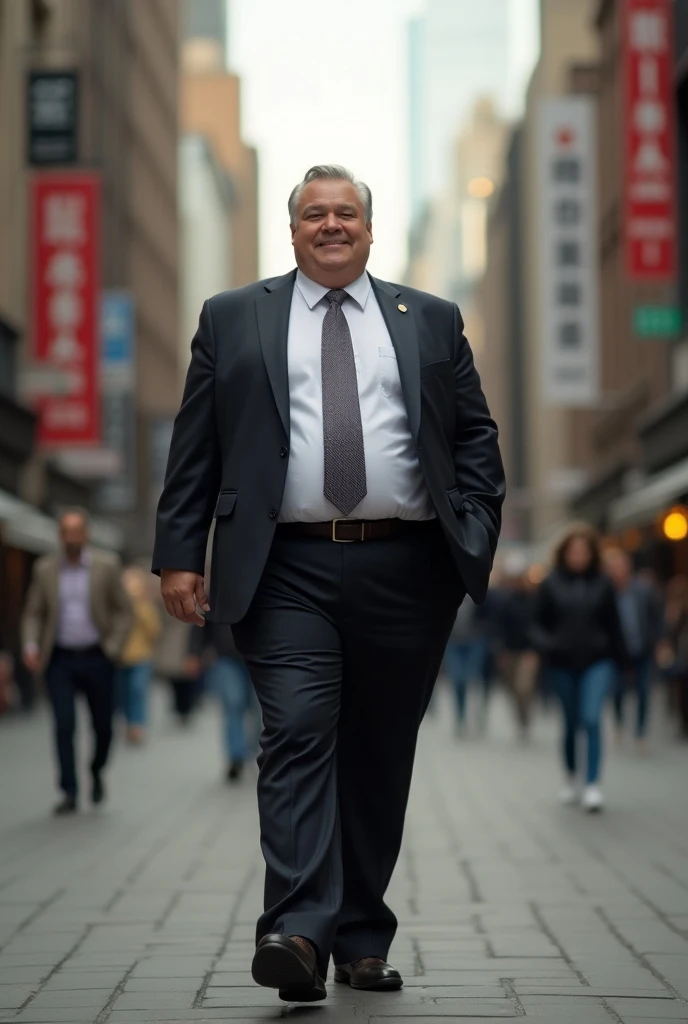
592 799
568 794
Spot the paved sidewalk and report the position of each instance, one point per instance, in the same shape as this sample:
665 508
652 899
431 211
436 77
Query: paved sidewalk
509 905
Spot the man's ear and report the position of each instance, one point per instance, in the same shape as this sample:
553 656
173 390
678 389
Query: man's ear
369 229
292 228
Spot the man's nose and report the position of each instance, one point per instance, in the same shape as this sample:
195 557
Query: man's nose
331 222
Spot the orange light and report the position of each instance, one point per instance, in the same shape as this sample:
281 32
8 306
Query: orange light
480 188
675 525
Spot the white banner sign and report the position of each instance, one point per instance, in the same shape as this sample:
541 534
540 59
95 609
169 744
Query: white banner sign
569 276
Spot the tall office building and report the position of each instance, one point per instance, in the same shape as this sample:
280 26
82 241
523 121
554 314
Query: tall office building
205 22
124 59
206 19
458 50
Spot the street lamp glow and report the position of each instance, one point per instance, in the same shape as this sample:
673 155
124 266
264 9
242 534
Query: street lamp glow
675 525
480 188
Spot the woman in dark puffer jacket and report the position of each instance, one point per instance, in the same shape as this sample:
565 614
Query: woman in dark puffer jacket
577 631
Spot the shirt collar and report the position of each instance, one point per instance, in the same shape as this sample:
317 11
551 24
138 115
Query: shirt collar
313 293
83 563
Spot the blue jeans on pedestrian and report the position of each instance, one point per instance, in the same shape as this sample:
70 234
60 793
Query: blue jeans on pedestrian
582 695
640 677
464 661
131 689
228 678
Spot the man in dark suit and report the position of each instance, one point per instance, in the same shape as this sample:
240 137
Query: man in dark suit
334 426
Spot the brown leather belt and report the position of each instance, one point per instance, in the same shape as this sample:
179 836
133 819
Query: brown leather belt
347 531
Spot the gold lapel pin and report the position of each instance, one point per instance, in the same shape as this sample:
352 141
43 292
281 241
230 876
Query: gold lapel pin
402 308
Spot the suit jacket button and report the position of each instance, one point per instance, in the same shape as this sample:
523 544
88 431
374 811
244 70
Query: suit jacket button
273 513
283 452
466 507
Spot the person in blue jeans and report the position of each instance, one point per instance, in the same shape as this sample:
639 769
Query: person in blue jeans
640 612
464 657
577 631
228 678
133 676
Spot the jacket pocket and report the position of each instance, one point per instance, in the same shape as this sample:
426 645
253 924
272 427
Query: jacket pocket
435 369
226 500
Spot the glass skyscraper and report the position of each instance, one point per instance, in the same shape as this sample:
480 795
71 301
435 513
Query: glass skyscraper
458 51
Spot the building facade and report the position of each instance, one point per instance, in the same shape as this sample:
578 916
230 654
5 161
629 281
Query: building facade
502 359
459 50
211 107
125 56
568 39
654 483
206 207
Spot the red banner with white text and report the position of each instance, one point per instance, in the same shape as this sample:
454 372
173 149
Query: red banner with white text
65 277
650 163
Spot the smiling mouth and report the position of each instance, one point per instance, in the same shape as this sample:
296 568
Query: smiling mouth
339 241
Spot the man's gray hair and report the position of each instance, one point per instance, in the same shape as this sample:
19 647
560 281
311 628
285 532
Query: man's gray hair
331 172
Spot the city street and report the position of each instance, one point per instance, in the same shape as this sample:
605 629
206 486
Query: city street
509 905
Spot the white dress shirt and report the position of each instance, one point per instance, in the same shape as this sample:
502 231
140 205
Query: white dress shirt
396 489
75 625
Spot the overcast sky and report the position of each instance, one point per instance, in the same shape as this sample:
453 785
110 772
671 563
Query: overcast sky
324 81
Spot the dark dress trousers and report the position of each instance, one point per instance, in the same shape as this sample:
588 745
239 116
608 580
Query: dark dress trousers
343 641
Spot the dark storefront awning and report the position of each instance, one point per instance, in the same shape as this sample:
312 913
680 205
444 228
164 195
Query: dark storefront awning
658 493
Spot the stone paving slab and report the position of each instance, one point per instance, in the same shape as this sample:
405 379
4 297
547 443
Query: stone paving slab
508 905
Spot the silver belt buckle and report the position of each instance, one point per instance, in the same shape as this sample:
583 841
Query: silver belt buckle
340 540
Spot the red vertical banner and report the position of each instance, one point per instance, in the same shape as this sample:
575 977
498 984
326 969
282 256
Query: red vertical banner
650 142
65 277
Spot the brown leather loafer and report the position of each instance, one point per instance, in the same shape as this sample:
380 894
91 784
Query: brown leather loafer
288 964
369 973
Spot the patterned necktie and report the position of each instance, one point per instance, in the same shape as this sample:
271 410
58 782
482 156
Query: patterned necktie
345 471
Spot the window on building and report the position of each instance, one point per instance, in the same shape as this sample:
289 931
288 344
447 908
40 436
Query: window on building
570 335
568 254
566 169
568 294
567 211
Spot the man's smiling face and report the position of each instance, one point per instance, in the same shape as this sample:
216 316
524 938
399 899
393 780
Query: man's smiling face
331 238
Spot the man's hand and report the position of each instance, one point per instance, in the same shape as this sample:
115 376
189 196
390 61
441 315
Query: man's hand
32 659
182 591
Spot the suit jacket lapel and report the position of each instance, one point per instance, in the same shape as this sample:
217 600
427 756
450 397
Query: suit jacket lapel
272 312
52 583
402 331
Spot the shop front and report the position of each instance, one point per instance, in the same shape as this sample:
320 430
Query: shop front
652 517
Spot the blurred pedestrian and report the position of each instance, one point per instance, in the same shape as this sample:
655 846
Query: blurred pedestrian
673 648
336 426
487 617
134 674
181 667
463 658
577 631
640 614
228 679
518 661
75 624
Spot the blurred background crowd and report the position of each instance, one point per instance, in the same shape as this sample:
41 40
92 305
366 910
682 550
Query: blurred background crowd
528 160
